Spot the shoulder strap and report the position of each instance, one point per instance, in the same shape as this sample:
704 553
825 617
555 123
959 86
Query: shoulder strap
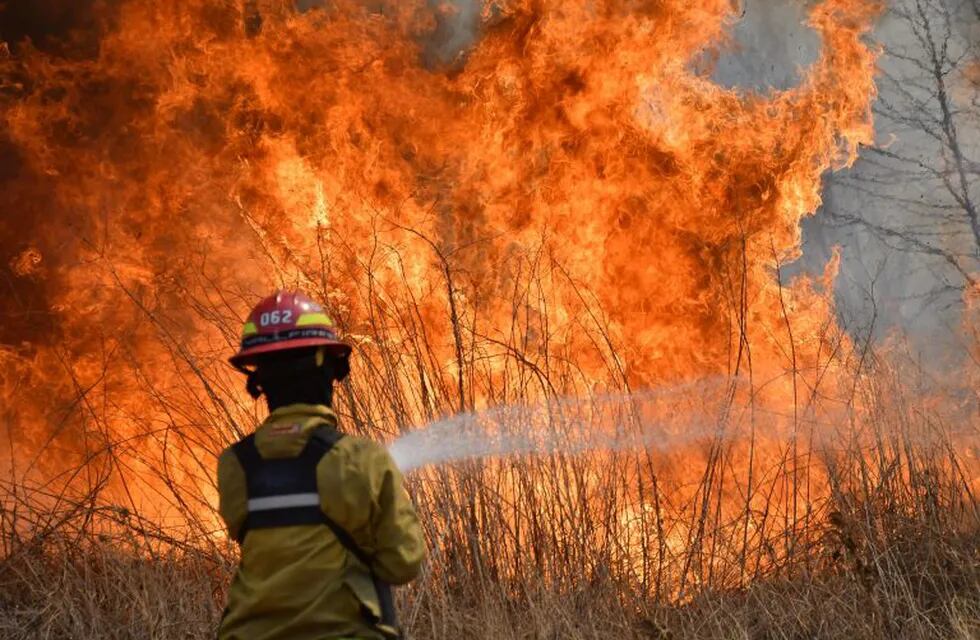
327 438
247 453
386 599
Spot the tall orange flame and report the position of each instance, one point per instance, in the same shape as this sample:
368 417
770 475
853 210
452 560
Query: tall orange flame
569 206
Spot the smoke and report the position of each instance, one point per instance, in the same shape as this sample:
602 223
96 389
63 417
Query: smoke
771 45
886 284
457 28
71 29
899 215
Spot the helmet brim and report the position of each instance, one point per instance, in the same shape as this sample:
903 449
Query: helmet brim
248 356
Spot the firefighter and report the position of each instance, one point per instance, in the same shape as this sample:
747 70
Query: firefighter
322 518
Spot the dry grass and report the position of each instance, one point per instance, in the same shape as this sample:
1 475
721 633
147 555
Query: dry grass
920 583
892 550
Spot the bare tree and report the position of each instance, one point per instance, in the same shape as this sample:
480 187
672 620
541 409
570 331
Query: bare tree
918 190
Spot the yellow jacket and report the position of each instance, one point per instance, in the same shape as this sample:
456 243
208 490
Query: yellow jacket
299 582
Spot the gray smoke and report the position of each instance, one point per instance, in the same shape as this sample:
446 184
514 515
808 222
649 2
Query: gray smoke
772 45
900 216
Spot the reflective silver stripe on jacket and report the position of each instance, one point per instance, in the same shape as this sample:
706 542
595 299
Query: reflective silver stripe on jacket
284 502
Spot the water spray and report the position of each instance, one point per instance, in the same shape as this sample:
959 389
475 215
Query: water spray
651 419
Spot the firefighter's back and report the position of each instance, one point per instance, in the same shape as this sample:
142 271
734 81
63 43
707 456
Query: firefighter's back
296 579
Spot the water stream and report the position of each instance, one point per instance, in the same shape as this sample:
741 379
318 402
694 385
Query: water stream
657 418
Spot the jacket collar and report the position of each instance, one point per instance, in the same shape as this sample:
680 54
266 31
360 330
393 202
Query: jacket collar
304 412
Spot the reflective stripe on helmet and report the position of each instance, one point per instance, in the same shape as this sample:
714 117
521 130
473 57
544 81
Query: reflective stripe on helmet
308 319
284 502
249 330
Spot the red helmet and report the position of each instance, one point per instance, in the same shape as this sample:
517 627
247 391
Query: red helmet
284 321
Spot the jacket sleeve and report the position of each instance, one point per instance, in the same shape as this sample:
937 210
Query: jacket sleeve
399 545
362 490
232 492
